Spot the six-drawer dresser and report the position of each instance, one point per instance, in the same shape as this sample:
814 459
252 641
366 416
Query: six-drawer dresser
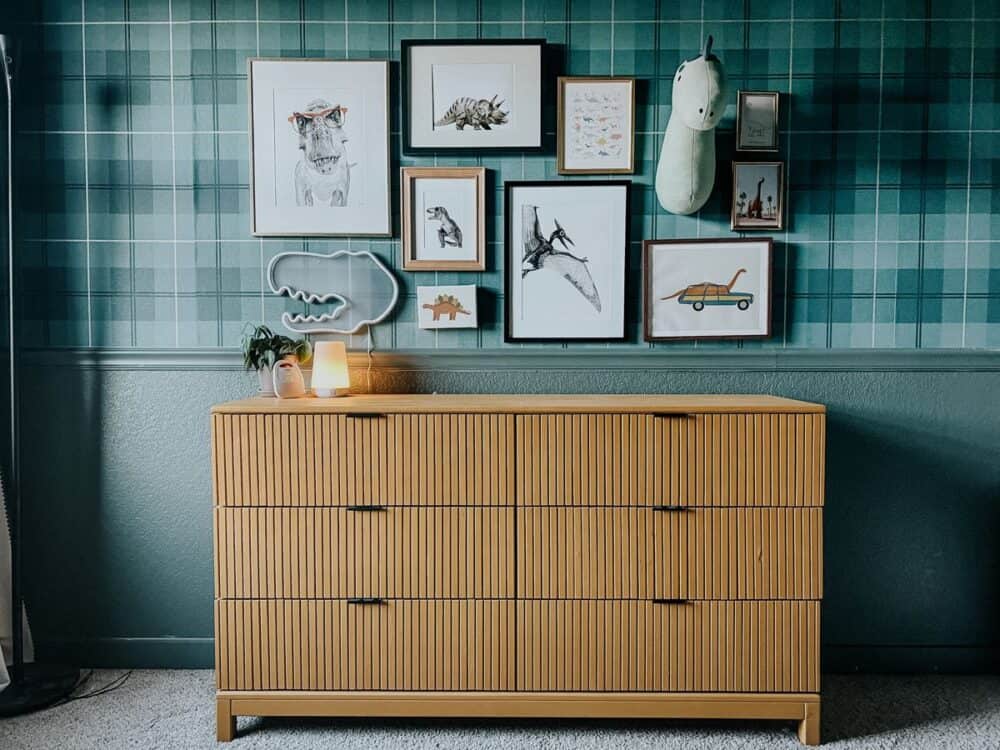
519 556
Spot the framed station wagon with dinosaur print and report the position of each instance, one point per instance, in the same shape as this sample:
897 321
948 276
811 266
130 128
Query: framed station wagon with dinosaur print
706 289
566 246
472 94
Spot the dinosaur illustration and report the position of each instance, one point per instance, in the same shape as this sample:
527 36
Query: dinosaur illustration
449 233
322 176
540 253
480 114
708 293
446 304
756 210
315 279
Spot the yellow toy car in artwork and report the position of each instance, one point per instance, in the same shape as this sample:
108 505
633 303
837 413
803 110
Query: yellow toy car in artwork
707 293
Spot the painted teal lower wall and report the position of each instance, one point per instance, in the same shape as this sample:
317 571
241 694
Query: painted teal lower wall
119 505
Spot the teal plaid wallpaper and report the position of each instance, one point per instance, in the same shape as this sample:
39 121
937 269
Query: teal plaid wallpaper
133 159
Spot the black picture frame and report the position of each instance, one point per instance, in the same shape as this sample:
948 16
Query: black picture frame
404 85
512 265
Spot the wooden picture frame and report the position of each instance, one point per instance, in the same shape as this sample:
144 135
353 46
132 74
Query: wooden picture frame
654 285
749 121
582 158
526 86
417 250
603 311
301 190
770 214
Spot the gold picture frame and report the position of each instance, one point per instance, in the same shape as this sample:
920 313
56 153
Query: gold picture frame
751 141
591 164
449 230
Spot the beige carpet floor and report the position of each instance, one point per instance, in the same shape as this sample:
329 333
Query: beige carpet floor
175 710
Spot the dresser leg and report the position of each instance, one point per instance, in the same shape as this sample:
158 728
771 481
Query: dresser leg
225 721
809 725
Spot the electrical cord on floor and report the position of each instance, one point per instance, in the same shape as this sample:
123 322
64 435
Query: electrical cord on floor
111 686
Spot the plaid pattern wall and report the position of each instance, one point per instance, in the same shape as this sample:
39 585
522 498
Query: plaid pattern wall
134 170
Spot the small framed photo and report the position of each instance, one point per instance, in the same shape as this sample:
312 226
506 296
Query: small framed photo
758 195
319 147
461 95
566 245
706 289
596 125
443 218
757 121
447 306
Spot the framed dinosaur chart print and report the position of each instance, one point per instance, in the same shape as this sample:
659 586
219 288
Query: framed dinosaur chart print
319 147
706 289
447 306
758 195
443 216
472 94
596 125
566 245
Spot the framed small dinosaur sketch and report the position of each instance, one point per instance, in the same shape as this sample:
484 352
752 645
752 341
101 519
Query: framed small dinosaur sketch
706 289
443 214
566 245
447 306
319 147
472 94
757 120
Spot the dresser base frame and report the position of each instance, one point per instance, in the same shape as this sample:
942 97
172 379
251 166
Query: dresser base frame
801 707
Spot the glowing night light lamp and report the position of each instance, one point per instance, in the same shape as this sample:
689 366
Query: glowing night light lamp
329 369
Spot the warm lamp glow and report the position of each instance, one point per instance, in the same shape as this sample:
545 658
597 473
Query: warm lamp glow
329 371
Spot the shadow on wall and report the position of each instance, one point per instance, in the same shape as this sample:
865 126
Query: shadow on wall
910 540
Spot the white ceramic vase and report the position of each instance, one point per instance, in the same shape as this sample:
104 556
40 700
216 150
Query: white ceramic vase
266 380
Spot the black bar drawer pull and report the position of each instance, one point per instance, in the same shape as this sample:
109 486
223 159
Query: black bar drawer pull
366 508
669 508
365 600
670 601
363 415
672 415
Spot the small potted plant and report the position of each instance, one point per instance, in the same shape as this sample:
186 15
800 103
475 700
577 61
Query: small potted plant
262 348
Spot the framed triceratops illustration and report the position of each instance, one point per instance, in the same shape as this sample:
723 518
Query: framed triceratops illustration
319 147
566 245
706 289
472 94
443 218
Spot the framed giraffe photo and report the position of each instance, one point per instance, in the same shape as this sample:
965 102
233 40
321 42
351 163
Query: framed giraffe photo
706 289
443 216
758 195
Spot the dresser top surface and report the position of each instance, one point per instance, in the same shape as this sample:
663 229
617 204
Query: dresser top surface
522 404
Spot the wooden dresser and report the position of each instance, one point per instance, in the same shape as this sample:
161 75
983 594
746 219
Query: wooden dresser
519 556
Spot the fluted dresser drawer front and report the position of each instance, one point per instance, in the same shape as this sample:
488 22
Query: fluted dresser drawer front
584 459
336 645
407 552
363 459
584 553
738 460
642 646
738 553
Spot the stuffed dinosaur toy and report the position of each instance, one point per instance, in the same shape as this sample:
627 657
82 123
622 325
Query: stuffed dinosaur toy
686 172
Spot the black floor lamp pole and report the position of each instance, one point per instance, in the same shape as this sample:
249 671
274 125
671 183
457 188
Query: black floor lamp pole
32 686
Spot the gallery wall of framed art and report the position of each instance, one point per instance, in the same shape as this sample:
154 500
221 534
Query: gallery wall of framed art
319 134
